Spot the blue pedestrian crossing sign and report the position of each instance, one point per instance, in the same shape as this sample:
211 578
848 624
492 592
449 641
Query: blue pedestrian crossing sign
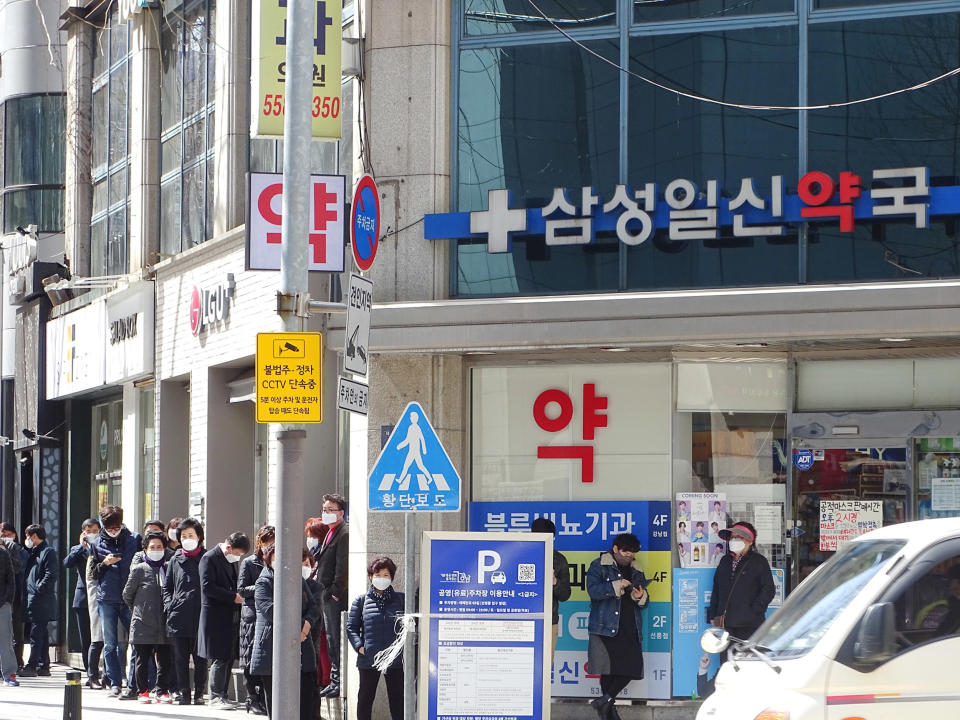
414 472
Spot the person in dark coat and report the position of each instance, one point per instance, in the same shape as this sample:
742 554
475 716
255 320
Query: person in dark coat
250 569
172 543
112 553
19 555
618 594
315 532
372 628
332 577
561 576
143 594
742 584
8 589
76 559
42 570
148 527
181 602
261 661
219 612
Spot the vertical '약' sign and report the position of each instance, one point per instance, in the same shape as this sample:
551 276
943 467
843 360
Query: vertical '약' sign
270 63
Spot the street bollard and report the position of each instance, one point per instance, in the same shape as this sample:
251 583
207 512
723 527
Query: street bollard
72 708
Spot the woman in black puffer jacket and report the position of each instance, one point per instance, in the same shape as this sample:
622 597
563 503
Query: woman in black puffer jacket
250 569
371 628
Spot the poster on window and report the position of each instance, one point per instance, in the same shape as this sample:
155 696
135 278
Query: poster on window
843 520
584 530
698 520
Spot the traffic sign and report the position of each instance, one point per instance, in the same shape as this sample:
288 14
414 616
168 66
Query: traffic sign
289 377
357 331
803 459
365 223
353 396
414 472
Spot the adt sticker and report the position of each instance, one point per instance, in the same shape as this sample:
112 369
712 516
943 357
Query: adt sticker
803 459
413 471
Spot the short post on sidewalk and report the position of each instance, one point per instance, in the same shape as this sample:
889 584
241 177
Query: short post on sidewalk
72 707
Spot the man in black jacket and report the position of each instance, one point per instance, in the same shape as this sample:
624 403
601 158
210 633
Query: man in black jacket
332 579
8 591
76 559
42 571
742 584
219 612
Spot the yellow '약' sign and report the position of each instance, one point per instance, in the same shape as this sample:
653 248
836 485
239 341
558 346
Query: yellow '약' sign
290 377
270 63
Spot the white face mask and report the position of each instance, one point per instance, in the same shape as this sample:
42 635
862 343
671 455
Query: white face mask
189 544
231 557
155 555
306 572
113 533
90 537
172 534
28 543
328 518
382 583
737 546
312 543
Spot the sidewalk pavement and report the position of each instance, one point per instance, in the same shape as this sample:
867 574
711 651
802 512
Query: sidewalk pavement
41 698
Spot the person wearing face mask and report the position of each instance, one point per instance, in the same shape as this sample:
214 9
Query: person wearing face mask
112 553
332 578
148 527
219 613
250 569
8 587
372 628
181 602
41 607
172 543
261 662
19 555
308 568
143 594
742 584
618 594
76 559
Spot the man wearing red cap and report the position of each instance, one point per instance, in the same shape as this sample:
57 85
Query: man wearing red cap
742 584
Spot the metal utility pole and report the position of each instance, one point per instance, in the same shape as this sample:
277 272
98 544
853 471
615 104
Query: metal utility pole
293 281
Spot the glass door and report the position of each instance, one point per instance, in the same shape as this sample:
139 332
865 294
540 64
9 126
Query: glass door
938 477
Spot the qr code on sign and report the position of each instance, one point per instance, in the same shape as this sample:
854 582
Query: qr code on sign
526 572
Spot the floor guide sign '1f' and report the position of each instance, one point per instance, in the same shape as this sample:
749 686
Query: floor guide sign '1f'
413 471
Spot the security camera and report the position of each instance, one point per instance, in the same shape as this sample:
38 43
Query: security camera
23 459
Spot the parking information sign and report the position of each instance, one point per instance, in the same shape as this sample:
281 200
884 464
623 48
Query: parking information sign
486 645
413 471
357 331
289 377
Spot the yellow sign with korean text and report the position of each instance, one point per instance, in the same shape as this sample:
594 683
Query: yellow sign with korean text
289 377
270 62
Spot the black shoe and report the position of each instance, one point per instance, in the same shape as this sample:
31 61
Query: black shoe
183 699
612 710
43 672
198 700
128 694
602 705
95 684
27 672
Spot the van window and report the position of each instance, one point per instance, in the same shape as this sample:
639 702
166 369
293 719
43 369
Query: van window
928 608
812 608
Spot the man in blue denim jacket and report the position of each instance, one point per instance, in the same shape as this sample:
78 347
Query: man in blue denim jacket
617 591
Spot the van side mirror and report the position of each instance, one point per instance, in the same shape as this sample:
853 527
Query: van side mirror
876 640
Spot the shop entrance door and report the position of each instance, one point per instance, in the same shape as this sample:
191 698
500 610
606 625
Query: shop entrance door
868 469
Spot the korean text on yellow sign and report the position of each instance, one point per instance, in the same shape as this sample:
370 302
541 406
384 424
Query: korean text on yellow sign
270 62
289 377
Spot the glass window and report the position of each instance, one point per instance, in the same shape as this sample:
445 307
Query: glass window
110 123
907 130
671 137
484 17
658 10
825 4
187 52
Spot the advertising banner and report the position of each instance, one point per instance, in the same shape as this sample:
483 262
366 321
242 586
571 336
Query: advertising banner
584 530
843 520
486 647
699 519
269 65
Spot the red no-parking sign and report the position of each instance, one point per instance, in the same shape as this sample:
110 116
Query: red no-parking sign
365 225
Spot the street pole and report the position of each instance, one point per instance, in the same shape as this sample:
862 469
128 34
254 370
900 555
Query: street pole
293 281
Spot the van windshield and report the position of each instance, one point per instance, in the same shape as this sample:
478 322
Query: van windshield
811 610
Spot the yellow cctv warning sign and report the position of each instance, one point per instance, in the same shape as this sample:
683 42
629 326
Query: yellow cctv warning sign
290 377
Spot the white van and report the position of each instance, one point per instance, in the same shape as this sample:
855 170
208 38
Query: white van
872 634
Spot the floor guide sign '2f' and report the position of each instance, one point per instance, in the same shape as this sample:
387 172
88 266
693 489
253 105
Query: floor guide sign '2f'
413 471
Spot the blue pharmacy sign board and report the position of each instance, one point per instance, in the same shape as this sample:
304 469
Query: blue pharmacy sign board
414 472
486 642
803 458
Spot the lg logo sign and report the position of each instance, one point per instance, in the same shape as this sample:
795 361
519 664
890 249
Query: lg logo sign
210 305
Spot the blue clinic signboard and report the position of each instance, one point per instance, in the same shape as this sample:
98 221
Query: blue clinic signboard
413 471
584 530
486 641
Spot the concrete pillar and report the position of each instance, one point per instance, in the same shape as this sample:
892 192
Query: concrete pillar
78 192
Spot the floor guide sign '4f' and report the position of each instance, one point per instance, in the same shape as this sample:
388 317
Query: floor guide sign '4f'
413 471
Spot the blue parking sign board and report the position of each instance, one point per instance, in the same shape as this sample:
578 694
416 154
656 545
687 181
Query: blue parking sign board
414 472
803 459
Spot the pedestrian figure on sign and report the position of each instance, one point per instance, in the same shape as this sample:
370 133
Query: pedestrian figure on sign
417 447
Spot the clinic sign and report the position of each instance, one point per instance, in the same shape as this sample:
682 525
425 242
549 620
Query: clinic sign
693 212
486 642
